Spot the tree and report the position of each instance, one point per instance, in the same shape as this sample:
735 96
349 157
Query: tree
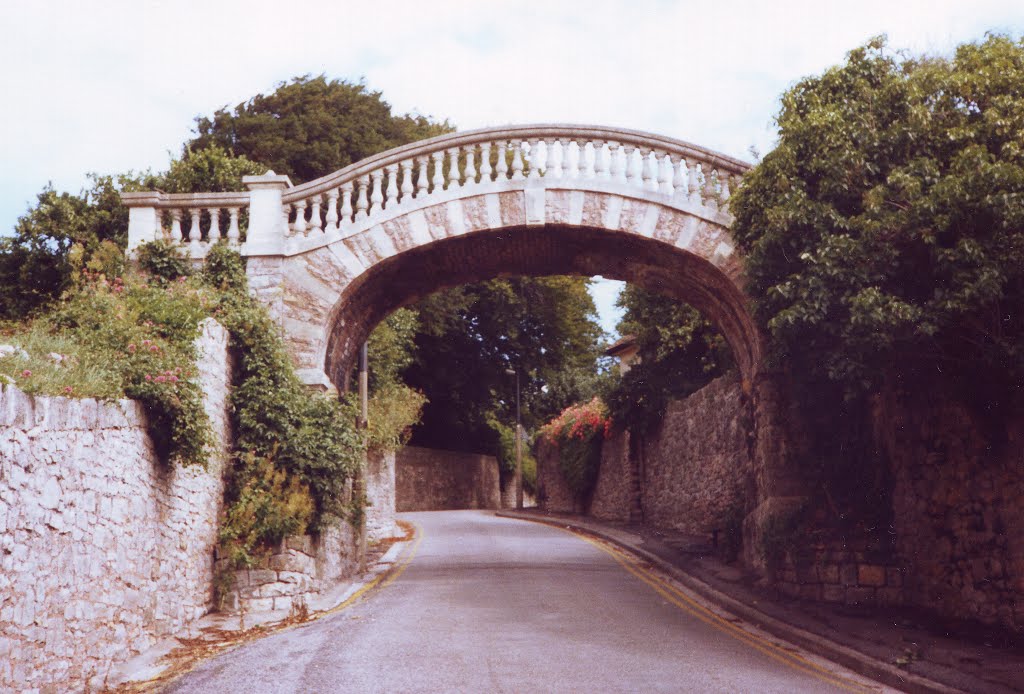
679 352
470 336
884 235
35 264
312 126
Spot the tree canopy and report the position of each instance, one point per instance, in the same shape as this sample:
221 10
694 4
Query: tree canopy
884 235
311 126
679 352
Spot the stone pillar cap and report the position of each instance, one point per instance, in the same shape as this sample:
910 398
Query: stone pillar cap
267 180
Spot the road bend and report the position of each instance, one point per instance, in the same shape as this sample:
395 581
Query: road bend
491 604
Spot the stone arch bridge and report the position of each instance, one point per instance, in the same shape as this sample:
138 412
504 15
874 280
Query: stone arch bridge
334 256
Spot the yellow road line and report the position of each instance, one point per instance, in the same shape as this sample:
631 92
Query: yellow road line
383 579
677 597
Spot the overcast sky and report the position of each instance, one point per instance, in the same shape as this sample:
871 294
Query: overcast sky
112 86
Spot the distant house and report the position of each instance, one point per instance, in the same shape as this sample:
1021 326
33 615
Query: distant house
626 351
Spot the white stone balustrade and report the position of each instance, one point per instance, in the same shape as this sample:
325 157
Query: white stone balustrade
283 218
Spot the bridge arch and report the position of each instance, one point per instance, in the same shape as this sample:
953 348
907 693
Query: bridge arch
332 257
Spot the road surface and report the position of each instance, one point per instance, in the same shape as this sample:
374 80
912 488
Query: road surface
490 604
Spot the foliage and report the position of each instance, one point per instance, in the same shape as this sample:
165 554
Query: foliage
679 352
270 505
123 337
884 235
209 170
163 261
34 262
470 336
577 433
311 126
393 410
392 348
506 454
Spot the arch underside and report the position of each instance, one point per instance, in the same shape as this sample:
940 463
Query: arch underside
551 249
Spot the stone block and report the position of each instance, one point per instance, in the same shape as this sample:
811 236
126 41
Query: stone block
829 573
833 593
848 574
275 589
259 605
258 577
283 602
894 577
870 575
301 543
860 596
811 592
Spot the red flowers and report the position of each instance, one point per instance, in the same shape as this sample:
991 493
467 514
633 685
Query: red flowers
581 422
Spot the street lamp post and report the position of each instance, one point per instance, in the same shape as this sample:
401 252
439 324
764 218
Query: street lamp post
519 446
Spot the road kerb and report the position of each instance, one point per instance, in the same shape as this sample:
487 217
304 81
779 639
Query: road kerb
861 663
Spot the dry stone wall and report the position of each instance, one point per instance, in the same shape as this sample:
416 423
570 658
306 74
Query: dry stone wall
431 480
103 549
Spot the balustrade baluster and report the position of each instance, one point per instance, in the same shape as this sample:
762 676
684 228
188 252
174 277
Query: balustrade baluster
693 182
517 160
214 235
363 197
648 163
618 162
346 204
234 233
176 235
666 168
299 226
634 168
710 190
422 176
470 165
485 162
437 183
551 167
314 215
724 189
574 166
194 232
286 215
406 179
332 210
376 195
534 156
600 166
391 194
453 167
501 165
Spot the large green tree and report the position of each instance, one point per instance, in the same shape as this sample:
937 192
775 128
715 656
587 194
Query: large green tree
469 336
884 235
311 126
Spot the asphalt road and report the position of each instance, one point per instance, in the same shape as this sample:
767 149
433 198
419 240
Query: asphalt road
491 604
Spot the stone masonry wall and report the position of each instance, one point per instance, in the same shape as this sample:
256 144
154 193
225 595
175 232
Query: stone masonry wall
103 549
433 480
301 569
696 467
958 506
380 495
614 492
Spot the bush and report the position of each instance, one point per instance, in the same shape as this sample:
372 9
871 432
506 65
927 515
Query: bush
578 433
393 410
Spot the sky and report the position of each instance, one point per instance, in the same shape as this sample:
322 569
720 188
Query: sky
112 86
